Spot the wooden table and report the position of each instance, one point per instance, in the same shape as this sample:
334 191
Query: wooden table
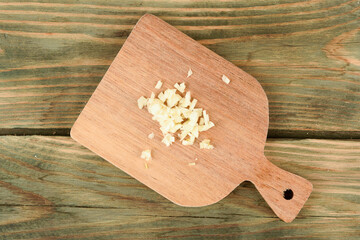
305 54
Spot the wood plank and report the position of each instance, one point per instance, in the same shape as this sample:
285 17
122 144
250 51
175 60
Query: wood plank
304 53
53 188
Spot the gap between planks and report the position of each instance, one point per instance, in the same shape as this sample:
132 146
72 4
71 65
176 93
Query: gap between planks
296 134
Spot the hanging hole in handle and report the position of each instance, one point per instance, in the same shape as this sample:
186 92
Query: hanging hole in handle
288 194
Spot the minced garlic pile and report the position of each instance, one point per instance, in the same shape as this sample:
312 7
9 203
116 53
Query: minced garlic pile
177 114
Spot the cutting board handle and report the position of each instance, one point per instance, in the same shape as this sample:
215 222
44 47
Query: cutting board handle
286 193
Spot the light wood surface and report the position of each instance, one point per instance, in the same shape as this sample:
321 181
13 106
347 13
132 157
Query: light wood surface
53 188
112 125
304 53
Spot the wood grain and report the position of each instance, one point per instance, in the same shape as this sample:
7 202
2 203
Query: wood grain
52 188
304 53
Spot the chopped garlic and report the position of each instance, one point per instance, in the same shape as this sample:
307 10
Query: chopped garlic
201 121
195 131
199 111
158 84
175 128
173 100
187 142
192 138
194 117
206 117
169 92
177 115
162 97
186 112
151 136
193 103
180 87
192 164
225 79
187 127
156 107
186 101
146 165
189 72
206 127
183 134
141 102
205 144
146 154
168 139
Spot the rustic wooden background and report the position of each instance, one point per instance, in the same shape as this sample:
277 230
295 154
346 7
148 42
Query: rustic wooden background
305 53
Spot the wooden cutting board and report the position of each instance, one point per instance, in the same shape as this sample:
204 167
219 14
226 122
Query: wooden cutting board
112 126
